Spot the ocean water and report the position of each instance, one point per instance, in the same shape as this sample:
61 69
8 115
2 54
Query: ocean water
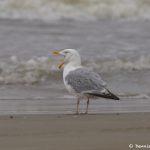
111 36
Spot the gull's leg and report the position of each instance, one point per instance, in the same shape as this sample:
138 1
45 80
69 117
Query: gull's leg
87 106
78 102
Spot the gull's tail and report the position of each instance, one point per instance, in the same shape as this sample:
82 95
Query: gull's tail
105 93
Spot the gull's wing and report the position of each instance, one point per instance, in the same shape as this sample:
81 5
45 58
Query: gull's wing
85 81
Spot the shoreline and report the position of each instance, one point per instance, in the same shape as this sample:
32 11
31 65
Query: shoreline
72 132
11 116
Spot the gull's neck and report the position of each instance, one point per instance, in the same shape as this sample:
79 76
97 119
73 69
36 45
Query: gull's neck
72 65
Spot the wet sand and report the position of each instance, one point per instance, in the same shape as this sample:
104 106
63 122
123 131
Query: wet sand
70 132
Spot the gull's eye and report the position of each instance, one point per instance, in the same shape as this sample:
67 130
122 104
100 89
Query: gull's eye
66 52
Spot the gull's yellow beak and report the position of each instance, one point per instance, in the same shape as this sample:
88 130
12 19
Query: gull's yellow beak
57 53
60 66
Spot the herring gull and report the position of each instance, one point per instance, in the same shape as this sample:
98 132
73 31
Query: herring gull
81 81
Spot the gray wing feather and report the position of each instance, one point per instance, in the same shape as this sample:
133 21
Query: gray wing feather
83 79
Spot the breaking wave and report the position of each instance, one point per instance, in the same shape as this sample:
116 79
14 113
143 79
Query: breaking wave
74 9
105 65
42 69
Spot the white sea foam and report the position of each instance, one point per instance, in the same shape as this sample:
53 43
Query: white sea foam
74 9
141 96
31 71
140 63
42 69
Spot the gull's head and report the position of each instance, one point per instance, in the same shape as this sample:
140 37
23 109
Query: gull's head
71 56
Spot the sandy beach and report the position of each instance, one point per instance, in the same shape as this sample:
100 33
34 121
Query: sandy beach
71 132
